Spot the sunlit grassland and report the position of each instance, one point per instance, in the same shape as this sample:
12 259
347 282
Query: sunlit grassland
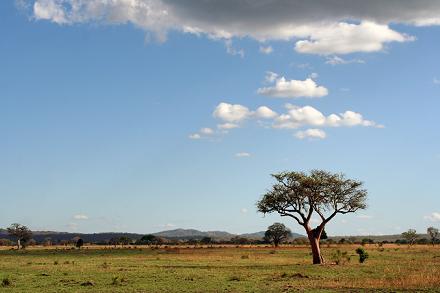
218 269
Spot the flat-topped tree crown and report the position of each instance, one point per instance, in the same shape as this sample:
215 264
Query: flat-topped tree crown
299 195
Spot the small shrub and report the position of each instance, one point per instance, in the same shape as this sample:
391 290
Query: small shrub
245 257
340 257
6 282
272 252
234 278
55 262
363 255
116 280
88 283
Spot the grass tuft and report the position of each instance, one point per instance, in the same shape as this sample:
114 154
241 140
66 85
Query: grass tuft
6 282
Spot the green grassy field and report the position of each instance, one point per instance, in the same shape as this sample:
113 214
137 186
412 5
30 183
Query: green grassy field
244 269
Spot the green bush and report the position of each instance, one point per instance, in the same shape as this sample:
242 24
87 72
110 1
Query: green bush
340 257
363 255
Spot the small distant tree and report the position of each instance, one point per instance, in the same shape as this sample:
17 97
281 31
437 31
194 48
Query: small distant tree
299 195
277 233
363 255
123 240
21 233
240 240
433 234
79 243
410 236
367 241
148 240
206 240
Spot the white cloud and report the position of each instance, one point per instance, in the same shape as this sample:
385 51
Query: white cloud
309 116
435 80
231 113
293 88
195 136
312 133
230 49
50 10
80 217
335 60
226 126
345 38
313 75
206 131
244 210
433 217
242 155
296 117
266 50
270 77
203 132
320 26
265 113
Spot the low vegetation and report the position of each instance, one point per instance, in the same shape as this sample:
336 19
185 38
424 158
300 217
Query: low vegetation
219 269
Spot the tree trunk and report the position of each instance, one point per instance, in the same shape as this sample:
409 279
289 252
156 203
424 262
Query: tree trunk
316 250
18 243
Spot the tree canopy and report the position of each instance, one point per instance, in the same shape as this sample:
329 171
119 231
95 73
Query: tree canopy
299 195
22 233
277 233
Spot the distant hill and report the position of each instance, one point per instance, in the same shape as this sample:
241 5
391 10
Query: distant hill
181 234
217 235
260 235
186 234
176 234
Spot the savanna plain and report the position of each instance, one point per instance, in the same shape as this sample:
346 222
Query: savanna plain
390 268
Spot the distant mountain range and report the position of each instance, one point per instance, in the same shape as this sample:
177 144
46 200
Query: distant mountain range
176 234
216 235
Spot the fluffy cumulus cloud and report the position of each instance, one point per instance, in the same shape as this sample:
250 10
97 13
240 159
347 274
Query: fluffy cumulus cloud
283 88
345 38
295 117
265 112
318 27
312 133
231 113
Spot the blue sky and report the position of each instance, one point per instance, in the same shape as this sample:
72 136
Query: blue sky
101 119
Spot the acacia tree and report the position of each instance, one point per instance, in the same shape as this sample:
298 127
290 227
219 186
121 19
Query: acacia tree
433 234
277 233
22 233
410 236
299 195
